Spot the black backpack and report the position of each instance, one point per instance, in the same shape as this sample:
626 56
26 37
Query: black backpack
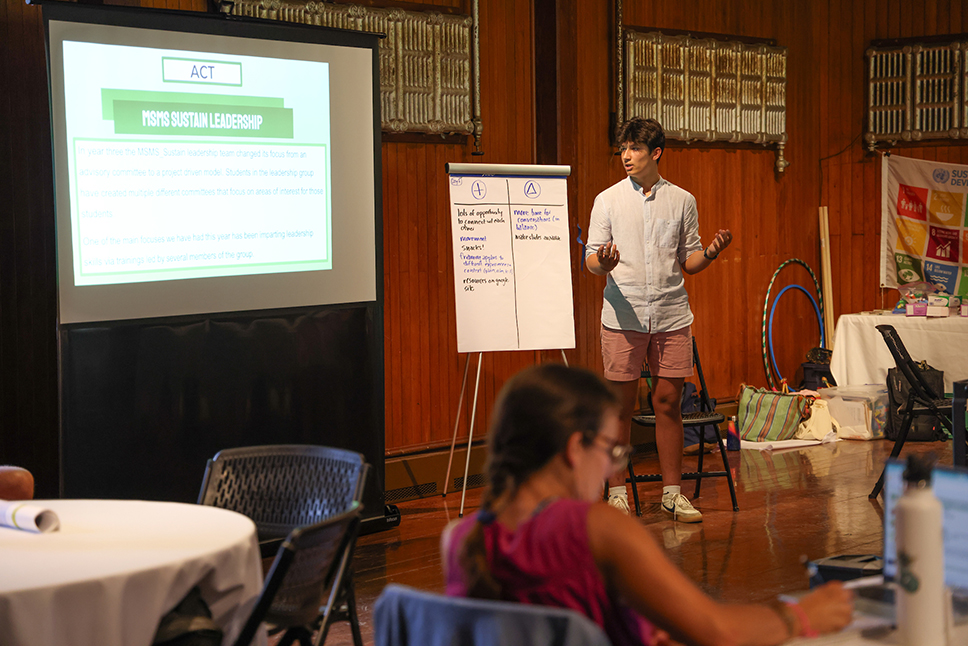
690 404
924 428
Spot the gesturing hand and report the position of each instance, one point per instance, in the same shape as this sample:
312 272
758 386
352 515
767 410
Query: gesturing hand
720 242
608 257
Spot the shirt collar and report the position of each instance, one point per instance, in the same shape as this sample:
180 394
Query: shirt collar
638 188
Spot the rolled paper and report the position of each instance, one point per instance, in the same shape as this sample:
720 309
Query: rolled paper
28 517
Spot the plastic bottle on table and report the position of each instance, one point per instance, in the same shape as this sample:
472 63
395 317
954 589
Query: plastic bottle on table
921 614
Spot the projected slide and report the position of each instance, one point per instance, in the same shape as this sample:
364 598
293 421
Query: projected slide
191 164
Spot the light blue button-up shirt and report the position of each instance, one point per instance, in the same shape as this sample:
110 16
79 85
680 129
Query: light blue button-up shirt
654 235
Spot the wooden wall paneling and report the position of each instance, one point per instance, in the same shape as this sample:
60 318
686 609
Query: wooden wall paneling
870 208
437 232
893 17
917 10
416 313
409 290
423 315
427 353
931 8
391 316
869 243
523 99
823 47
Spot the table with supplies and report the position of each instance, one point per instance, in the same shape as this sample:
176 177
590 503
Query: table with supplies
860 355
115 567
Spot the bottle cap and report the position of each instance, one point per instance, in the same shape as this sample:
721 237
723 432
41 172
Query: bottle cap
919 468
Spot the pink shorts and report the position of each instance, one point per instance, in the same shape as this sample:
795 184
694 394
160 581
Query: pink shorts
669 353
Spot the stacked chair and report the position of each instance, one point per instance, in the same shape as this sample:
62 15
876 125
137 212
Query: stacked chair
291 492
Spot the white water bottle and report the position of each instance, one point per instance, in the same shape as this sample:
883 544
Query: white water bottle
921 614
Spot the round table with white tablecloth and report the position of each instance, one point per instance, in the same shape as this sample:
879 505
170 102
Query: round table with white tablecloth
115 567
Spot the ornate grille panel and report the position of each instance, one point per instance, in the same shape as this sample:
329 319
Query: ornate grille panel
916 92
428 78
707 90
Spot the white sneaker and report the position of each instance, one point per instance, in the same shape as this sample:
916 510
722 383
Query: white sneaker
621 503
679 508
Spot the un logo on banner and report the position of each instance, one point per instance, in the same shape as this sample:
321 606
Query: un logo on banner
940 175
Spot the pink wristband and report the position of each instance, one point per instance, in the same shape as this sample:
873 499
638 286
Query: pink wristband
806 630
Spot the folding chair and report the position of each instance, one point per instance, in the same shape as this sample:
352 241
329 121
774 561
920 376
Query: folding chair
407 617
700 419
304 568
959 404
281 487
922 399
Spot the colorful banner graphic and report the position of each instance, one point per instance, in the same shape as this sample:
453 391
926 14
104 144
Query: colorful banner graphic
924 223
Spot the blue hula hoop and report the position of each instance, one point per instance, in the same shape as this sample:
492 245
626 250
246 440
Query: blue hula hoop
816 309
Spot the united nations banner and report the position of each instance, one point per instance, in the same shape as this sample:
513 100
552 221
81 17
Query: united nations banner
924 224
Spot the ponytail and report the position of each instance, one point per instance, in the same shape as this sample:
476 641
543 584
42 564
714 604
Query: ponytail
535 414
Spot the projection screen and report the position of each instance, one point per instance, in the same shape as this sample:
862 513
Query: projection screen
210 165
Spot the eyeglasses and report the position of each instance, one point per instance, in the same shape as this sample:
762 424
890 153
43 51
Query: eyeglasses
617 453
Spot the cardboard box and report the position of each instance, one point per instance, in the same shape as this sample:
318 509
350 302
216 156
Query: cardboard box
917 309
861 411
937 311
964 309
945 300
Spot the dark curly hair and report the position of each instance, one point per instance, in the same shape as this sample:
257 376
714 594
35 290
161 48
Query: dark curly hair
648 132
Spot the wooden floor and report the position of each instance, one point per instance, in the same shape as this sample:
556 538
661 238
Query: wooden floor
794 505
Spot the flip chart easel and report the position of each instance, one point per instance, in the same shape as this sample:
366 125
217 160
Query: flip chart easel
512 267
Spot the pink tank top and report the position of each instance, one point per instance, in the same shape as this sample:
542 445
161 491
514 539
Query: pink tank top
548 561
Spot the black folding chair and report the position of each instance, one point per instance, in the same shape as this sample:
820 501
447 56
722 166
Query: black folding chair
304 568
281 487
922 400
705 416
959 404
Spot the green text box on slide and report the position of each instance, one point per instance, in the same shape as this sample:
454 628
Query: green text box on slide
203 119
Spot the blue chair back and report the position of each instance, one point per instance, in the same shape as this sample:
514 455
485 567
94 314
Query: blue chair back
407 617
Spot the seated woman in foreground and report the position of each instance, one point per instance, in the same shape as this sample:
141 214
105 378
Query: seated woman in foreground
543 536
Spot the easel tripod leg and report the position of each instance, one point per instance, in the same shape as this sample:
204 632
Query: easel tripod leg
470 436
453 441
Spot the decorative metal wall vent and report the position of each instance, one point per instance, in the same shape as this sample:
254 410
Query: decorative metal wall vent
706 89
411 492
917 92
429 81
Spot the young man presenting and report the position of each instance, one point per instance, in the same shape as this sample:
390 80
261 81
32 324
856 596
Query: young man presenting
646 315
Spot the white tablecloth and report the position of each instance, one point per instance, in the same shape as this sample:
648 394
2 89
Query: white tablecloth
861 357
116 566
